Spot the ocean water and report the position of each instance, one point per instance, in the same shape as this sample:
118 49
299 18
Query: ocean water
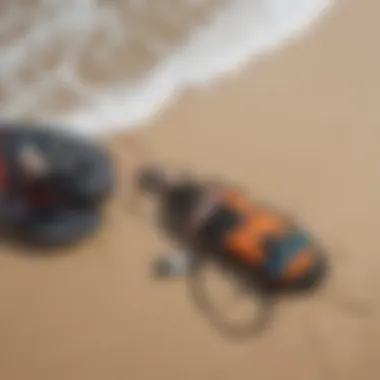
98 66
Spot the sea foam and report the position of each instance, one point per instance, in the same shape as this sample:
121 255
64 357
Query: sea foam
238 31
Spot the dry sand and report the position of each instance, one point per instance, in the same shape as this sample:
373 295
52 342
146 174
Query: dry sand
300 129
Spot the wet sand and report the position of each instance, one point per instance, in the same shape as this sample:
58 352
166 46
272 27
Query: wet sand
300 130
57 56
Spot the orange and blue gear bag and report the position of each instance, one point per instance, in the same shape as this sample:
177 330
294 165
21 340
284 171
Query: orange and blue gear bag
268 242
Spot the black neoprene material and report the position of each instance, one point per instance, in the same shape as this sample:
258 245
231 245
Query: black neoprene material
82 177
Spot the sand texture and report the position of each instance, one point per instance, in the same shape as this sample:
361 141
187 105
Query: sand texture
300 129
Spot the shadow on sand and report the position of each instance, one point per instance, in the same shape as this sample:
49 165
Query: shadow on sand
264 296
16 245
250 287
247 287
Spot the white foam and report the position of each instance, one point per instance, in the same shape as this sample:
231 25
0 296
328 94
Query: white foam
244 28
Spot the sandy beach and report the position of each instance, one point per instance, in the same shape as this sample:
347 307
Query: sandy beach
300 130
